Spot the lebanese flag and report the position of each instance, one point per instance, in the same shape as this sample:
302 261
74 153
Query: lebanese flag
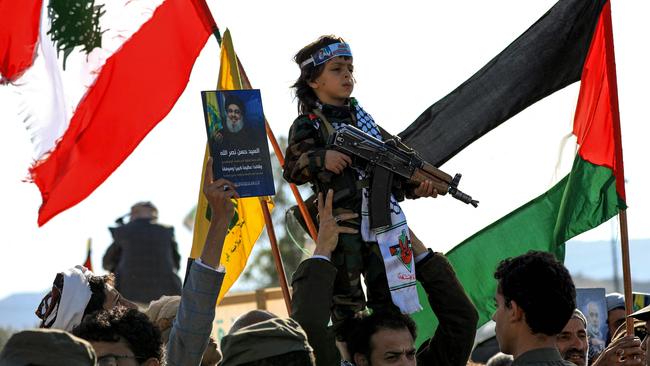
18 36
573 41
85 120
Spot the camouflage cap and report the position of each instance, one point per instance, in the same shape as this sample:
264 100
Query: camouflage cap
47 347
262 340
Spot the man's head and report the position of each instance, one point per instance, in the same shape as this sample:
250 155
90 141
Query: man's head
535 298
124 335
500 359
162 313
572 341
615 312
594 315
275 341
235 111
250 318
382 338
47 347
77 292
144 210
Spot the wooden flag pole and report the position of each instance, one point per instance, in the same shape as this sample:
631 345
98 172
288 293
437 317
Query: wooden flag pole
278 152
276 254
265 209
627 276
296 194
620 183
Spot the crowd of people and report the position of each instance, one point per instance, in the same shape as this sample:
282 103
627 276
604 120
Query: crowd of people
86 321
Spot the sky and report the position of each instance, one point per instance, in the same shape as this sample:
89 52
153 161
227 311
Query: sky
407 55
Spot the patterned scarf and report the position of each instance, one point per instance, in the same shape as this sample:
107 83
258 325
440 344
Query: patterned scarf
394 240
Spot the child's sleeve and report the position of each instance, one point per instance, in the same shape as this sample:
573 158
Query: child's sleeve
305 155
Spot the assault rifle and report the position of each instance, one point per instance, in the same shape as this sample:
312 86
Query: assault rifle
397 158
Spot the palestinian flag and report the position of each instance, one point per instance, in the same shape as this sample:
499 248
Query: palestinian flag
572 41
103 76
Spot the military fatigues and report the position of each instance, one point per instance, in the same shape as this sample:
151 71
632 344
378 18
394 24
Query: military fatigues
305 163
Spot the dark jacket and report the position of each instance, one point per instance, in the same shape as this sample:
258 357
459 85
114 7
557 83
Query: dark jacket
144 257
452 343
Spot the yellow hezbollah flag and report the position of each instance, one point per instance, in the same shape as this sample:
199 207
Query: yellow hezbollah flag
248 221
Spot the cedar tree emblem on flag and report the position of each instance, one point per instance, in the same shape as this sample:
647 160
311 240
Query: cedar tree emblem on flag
85 119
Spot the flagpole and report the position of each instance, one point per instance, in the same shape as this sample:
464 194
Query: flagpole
274 142
265 209
276 254
620 181
627 276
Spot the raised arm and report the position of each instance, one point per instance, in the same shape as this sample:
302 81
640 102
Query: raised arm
193 324
313 285
452 343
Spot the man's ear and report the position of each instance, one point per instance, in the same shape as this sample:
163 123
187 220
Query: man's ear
360 360
313 84
516 312
151 362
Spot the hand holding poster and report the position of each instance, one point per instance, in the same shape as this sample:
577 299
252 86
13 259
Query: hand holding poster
234 121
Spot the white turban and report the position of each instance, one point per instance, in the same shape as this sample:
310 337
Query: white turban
75 296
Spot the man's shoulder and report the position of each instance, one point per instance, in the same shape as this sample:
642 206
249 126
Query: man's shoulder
541 356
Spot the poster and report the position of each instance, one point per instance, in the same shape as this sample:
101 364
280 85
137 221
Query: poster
234 121
591 301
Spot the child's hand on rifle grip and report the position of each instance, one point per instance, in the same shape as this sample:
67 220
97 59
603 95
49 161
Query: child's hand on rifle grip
336 161
425 189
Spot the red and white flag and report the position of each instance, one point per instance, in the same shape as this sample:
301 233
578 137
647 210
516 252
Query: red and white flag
87 111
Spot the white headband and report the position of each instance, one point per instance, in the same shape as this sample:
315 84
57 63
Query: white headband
327 53
75 296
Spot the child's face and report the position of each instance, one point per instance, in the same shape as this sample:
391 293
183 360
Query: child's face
334 86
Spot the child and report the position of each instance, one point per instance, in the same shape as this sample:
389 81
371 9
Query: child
383 255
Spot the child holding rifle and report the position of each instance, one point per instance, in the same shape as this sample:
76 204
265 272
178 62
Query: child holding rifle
381 249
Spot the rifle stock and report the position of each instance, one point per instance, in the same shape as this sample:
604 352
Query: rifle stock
440 179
